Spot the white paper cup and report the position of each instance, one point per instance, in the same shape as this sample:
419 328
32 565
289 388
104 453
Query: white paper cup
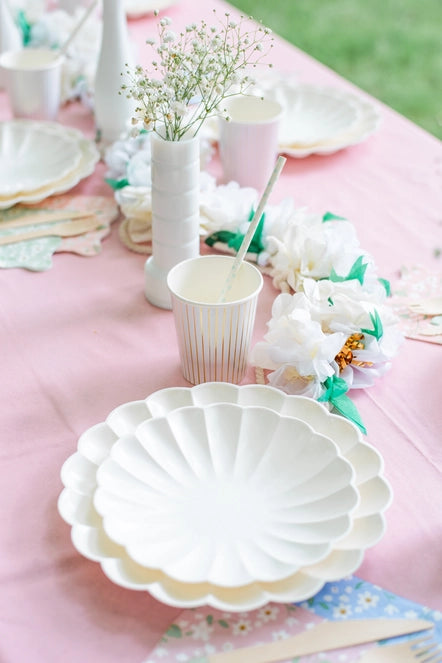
213 338
33 82
248 141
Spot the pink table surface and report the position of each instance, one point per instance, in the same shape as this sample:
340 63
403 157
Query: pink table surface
80 339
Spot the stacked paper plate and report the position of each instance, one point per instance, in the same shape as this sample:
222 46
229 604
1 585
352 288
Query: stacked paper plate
320 120
224 495
316 120
40 159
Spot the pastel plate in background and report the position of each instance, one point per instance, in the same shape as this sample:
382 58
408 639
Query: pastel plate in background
317 120
89 157
33 155
368 122
312 114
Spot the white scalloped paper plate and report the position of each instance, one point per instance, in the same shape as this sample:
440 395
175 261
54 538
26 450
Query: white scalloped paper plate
89 157
225 494
325 120
89 538
33 155
323 104
312 114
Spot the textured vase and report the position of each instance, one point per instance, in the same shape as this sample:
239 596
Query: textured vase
175 212
112 109
10 37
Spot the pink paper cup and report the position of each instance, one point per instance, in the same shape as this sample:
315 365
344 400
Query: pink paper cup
213 337
248 141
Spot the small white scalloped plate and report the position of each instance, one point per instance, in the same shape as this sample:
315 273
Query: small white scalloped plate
368 123
318 119
89 157
312 115
34 154
78 475
328 141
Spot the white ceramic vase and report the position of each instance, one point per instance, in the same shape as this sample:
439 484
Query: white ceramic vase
10 37
113 110
175 212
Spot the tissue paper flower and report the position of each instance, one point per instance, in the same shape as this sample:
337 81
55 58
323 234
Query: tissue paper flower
323 341
311 246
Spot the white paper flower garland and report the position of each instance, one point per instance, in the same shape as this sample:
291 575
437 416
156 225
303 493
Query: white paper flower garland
332 328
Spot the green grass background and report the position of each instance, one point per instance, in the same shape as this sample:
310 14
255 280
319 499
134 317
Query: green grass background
392 49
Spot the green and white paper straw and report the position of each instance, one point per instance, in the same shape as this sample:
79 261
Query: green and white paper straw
252 228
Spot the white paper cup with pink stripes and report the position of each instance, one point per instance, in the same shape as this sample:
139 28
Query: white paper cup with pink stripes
213 337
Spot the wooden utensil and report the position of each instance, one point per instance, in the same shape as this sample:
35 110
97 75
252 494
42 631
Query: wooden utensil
419 650
64 229
33 219
323 637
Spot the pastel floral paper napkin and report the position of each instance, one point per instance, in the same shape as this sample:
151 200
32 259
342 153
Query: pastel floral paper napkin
416 283
199 632
36 254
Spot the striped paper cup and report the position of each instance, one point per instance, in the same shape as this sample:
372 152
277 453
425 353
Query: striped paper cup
213 337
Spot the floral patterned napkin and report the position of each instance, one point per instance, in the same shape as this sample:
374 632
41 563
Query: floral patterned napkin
36 254
199 632
416 283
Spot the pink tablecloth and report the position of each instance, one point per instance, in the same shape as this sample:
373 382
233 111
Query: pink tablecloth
80 339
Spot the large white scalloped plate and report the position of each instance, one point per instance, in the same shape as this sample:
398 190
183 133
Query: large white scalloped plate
225 494
89 157
79 478
34 154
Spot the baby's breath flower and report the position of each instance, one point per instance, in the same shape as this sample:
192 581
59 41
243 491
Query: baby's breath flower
169 36
196 70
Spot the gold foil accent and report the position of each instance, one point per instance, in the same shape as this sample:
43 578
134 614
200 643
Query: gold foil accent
346 357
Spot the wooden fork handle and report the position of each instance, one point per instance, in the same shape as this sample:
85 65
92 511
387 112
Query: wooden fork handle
66 229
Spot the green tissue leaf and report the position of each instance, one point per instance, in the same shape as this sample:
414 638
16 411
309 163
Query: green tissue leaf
378 329
117 184
329 216
336 394
357 271
256 245
386 285
223 236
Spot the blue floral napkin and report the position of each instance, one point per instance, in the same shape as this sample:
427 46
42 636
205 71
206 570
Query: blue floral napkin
199 632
